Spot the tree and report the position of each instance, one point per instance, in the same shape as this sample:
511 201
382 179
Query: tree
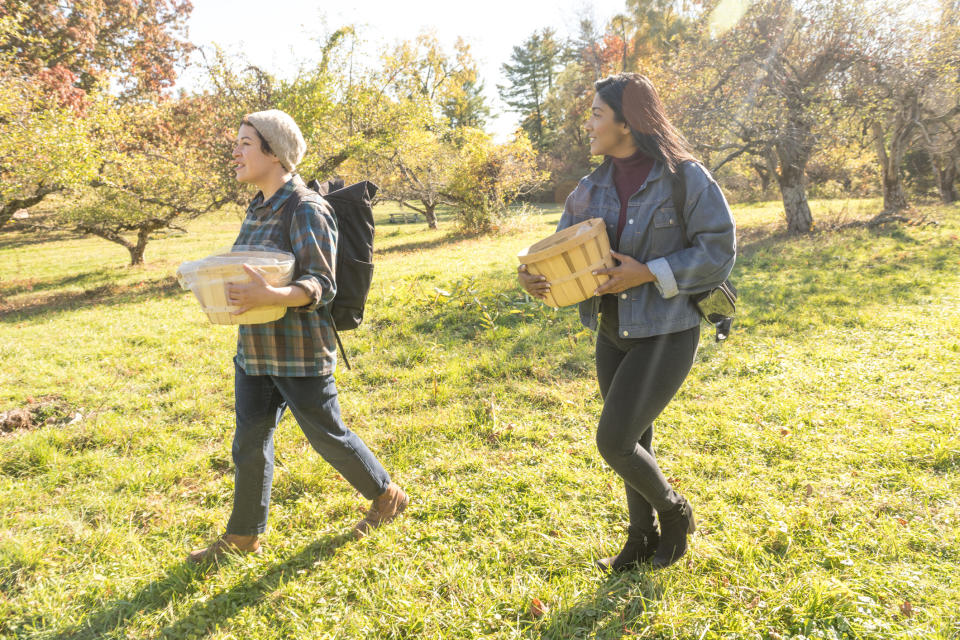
432 95
162 164
78 44
770 88
46 145
908 92
466 107
648 29
940 121
530 74
490 176
417 170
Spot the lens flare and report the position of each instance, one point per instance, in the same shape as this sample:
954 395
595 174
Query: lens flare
725 15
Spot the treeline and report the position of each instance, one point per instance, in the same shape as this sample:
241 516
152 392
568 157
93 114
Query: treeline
833 97
830 98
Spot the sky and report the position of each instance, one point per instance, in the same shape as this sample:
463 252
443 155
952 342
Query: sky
282 35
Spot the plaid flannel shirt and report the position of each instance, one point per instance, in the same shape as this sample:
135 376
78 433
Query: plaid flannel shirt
302 342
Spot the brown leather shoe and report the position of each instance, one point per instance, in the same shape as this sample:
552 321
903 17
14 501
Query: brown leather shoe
225 545
385 508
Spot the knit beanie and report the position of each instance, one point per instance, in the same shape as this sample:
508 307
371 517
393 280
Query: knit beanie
282 134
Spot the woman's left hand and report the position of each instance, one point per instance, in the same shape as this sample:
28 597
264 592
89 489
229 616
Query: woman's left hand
628 274
250 295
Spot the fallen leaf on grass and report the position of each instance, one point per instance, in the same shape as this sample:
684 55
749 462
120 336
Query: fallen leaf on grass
537 608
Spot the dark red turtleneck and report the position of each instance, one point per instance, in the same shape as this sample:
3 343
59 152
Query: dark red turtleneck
628 175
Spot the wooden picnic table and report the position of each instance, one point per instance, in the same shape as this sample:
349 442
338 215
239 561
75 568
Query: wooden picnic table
403 217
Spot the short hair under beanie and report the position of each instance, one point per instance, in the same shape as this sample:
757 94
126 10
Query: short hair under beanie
281 133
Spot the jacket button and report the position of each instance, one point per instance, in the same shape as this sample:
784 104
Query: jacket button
625 333
623 296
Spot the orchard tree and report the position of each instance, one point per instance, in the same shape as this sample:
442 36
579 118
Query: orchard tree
907 95
162 164
490 177
417 170
78 44
940 126
437 94
770 87
47 146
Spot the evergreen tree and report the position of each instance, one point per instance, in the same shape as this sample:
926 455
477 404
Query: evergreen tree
467 107
530 74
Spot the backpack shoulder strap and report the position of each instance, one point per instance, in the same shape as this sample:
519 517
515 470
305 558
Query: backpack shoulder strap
678 185
301 193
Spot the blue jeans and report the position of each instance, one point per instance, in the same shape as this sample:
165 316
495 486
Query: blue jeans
260 402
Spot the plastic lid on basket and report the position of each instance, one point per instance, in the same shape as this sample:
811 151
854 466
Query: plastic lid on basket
254 255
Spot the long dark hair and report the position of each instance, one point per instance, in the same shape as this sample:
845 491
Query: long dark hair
635 102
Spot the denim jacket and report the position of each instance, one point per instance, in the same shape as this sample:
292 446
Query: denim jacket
653 235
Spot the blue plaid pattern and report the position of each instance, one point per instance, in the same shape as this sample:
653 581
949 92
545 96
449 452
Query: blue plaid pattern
302 342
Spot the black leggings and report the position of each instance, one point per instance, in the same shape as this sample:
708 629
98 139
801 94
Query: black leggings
638 378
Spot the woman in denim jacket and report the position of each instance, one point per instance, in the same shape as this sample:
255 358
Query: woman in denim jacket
649 329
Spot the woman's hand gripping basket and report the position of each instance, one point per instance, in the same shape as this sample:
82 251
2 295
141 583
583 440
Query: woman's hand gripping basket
208 279
567 260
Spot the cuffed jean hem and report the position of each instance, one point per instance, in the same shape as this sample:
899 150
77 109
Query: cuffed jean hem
252 532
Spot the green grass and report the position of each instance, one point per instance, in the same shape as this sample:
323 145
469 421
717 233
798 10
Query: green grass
819 447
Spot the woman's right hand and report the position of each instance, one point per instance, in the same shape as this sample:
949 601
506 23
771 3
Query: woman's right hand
535 285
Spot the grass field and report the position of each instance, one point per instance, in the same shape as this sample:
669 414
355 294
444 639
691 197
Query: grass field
819 446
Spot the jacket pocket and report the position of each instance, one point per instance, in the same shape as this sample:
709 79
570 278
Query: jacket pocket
667 235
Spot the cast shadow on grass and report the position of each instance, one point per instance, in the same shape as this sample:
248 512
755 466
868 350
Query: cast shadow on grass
103 295
15 287
184 579
15 236
449 238
608 612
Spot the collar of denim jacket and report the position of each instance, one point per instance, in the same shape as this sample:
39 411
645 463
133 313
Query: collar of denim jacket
602 176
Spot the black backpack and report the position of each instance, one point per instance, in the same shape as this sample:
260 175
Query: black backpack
354 269
718 305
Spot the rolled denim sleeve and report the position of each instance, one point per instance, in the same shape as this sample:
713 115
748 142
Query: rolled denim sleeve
313 236
711 236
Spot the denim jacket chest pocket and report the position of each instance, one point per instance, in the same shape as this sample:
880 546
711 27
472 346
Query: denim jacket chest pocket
667 233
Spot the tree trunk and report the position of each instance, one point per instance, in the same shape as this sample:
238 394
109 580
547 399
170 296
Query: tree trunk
894 198
792 154
763 173
137 250
429 212
946 179
795 205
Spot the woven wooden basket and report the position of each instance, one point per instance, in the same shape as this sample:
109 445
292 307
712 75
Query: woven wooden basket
567 259
208 279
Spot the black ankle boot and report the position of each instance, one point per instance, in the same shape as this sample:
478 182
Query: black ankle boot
675 525
640 547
